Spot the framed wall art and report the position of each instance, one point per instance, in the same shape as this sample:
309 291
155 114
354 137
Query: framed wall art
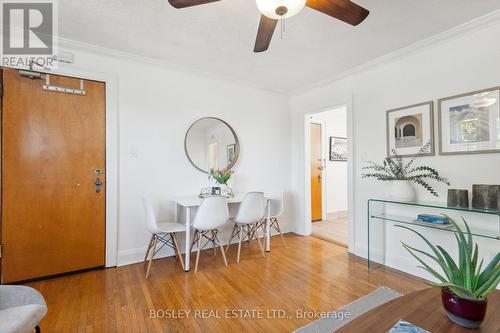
338 148
470 123
231 149
410 128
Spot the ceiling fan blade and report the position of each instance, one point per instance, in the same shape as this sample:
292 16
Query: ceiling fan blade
344 10
188 3
265 33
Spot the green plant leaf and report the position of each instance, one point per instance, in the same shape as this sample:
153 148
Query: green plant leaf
457 289
440 260
426 267
465 253
489 270
475 254
476 276
488 286
456 273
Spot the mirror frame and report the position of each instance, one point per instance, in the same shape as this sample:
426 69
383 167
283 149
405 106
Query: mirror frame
236 142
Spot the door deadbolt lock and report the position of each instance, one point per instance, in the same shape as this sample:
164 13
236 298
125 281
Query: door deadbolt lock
98 184
99 172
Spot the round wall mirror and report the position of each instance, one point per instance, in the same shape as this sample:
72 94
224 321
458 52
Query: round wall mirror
210 143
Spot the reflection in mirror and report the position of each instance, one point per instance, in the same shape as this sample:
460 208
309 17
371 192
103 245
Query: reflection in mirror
211 143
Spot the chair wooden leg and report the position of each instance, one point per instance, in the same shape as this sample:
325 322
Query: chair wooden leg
198 252
260 244
213 242
240 233
149 248
195 239
279 230
152 255
176 245
221 249
231 238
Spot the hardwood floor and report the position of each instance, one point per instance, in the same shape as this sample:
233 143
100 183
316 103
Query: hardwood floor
333 230
307 274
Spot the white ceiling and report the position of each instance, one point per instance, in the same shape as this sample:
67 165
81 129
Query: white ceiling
219 37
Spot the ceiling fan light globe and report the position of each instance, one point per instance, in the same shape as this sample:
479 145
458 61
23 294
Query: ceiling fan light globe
269 7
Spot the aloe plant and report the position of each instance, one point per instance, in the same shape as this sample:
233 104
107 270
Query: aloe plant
465 278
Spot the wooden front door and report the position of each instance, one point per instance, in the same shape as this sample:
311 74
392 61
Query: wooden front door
316 173
53 216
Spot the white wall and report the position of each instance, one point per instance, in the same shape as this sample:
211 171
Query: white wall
335 174
465 62
156 105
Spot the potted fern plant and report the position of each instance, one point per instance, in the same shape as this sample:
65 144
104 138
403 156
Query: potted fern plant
402 174
465 285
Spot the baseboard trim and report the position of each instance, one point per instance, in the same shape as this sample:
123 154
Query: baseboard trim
334 215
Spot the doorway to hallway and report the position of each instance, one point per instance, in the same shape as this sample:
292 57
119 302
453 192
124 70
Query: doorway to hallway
328 181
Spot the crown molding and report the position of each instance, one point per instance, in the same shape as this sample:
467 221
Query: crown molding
458 31
73 45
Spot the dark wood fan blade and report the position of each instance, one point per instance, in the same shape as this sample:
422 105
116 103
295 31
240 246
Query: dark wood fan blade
344 10
188 3
265 33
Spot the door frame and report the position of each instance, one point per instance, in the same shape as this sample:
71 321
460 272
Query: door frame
323 162
347 102
111 146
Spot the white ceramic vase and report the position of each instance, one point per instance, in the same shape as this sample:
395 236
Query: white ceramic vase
401 190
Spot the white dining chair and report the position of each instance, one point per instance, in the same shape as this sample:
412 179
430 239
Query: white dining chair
212 214
248 217
161 232
276 206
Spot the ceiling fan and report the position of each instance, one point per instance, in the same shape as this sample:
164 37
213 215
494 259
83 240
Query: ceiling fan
274 10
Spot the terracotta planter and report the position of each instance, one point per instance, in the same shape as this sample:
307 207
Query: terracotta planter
464 312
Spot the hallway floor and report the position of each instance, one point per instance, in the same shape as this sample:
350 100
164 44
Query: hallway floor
333 230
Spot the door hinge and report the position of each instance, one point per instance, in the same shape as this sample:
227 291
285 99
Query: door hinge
1 89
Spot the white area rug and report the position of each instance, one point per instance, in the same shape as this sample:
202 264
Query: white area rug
364 304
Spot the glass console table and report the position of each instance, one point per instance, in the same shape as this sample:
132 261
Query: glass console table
379 218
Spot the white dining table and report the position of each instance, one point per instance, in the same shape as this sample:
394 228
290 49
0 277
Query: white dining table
191 201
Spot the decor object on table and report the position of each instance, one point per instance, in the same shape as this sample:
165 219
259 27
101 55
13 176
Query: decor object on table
338 148
402 174
436 219
468 123
403 326
458 198
206 143
464 286
486 196
222 177
409 128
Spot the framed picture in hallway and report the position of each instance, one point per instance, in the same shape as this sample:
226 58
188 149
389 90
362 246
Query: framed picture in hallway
470 123
230 153
410 128
338 148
